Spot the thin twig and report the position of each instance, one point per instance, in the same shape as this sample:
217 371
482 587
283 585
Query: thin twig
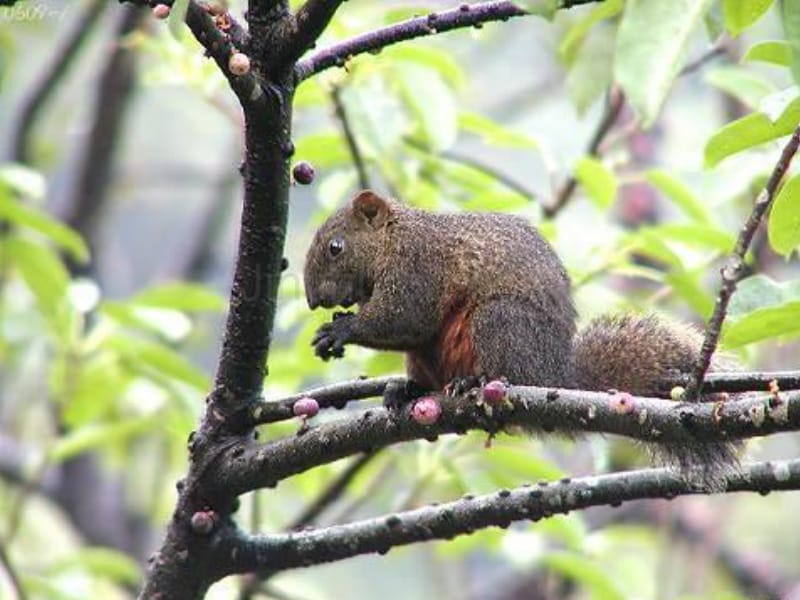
350 138
735 265
335 395
735 382
238 552
614 104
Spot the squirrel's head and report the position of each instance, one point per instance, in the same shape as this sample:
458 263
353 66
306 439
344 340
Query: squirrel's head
340 263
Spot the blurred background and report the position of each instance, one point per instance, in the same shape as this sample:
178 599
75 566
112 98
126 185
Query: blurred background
119 202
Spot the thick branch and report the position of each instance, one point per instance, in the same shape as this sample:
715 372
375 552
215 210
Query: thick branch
466 15
734 266
735 382
242 553
535 409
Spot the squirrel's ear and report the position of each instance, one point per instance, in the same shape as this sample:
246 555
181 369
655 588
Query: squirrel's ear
370 208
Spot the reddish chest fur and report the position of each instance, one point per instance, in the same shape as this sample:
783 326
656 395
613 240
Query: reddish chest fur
454 353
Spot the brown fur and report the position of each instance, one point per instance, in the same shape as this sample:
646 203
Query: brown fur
483 294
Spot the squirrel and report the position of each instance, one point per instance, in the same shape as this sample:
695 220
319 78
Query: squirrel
484 295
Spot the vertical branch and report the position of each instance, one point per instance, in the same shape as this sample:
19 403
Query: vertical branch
734 266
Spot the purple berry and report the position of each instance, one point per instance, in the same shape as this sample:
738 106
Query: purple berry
494 392
306 407
303 173
426 410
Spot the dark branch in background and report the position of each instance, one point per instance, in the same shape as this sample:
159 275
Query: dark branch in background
331 493
466 15
42 89
193 260
88 192
534 409
720 48
242 553
310 514
350 138
614 105
735 265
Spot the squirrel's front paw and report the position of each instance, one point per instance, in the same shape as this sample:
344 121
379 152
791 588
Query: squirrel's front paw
330 339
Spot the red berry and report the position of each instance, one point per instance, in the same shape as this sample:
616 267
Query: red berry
161 11
426 410
623 403
203 522
239 64
494 392
306 407
303 173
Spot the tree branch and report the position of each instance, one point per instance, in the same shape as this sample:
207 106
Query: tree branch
736 382
310 20
466 15
734 265
650 420
241 553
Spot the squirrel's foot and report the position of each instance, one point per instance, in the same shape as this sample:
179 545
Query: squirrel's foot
397 396
331 337
462 384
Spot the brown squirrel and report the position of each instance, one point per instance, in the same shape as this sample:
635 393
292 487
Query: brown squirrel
471 295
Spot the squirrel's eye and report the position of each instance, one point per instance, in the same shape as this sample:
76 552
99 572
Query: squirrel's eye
336 246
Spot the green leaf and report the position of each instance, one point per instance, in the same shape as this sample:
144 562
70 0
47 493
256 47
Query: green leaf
791 26
783 226
598 181
591 73
144 355
572 41
177 17
751 130
764 323
94 435
323 150
542 8
431 103
679 193
494 133
15 212
686 284
776 52
745 86
741 14
429 57
45 276
651 46
696 234
22 180
581 569
181 296
761 291
100 562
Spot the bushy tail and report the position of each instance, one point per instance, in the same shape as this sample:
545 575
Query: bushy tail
633 353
